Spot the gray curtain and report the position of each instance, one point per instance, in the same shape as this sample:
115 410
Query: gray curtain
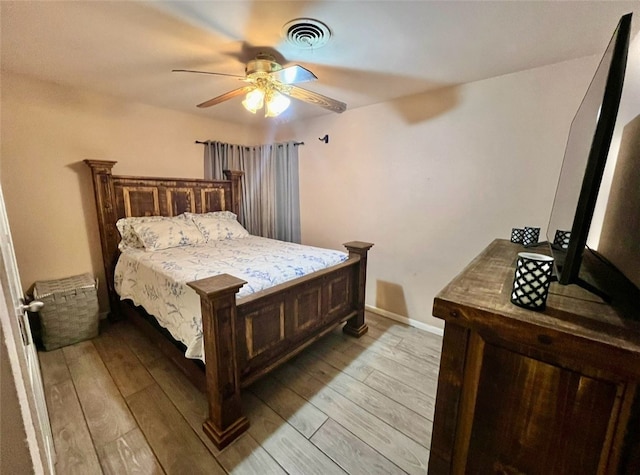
270 185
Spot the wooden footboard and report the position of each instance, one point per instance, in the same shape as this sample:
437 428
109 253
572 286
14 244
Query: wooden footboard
245 340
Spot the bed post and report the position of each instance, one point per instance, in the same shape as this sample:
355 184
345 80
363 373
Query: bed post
355 325
235 176
225 421
106 209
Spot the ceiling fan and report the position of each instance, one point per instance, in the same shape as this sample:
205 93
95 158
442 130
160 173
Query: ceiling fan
271 85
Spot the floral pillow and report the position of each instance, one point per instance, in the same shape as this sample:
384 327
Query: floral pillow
167 233
213 214
129 239
219 226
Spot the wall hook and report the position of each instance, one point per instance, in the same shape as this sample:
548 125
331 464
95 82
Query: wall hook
324 139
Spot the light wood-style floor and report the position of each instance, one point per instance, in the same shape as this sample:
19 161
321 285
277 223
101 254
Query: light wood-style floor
345 405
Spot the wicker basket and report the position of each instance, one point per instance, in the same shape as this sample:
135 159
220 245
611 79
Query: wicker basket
70 312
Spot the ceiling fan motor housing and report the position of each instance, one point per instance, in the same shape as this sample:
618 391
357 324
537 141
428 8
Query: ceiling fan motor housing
263 63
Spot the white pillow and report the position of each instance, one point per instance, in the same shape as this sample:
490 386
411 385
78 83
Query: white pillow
217 227
129 239
167 233
214 214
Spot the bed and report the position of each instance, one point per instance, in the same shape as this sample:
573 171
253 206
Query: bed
243 338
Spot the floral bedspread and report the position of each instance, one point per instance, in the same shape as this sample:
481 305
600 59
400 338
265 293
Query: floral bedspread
157 280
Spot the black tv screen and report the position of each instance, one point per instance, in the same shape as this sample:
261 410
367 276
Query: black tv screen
585 157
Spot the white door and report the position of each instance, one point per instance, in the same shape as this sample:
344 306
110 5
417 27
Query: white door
20 344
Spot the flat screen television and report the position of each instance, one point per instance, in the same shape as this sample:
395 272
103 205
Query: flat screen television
584 160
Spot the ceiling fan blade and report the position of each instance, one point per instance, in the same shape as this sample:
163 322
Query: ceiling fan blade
293 75
317 99
205 72
226 96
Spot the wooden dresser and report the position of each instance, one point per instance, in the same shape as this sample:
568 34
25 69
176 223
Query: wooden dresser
523 392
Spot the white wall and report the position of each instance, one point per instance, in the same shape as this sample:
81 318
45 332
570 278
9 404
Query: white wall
47 131
433 179
430 179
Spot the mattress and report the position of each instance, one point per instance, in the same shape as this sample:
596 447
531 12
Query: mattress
157 280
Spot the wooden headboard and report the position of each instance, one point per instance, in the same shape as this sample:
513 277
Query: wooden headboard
125 196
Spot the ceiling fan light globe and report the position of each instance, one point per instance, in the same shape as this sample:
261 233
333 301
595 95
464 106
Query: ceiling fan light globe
277 104
254 100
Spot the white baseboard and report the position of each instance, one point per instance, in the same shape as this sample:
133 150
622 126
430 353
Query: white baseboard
407 321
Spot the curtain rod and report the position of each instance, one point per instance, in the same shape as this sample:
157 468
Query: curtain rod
208 141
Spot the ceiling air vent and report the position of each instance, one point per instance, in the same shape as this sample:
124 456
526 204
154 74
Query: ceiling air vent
306 33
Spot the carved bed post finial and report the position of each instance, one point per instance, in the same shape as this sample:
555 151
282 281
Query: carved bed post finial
106 208
225 421
356 326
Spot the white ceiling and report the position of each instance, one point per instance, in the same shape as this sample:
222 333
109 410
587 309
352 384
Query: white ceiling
379 50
